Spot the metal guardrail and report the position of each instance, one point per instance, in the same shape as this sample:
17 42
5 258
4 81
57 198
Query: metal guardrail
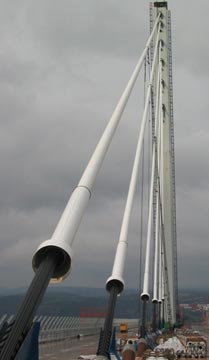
53 328
60 333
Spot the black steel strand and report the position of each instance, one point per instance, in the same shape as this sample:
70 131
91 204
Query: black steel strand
154 319
143 327
107 332
160 325
27 310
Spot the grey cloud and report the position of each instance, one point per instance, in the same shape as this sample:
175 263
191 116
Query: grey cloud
198 269
100 27
190 34
63 67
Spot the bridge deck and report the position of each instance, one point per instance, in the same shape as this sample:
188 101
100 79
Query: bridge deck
69 349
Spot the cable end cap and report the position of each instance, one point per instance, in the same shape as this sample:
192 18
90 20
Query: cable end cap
145 296
113 281
64 258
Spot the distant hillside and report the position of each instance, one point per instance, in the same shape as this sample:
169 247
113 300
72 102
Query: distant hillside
82 291
64 301
66 304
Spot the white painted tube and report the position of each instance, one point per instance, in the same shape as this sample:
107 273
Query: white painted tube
161 167
158 133
97 158
161 188
120 256
163 278
157 230
64 234
160 273
145 294
156 258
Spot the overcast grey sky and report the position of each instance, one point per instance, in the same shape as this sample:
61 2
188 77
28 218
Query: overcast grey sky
63 66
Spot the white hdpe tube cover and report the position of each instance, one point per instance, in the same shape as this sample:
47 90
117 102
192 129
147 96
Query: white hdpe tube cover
64 234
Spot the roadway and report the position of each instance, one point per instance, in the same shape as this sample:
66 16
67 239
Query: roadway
68 349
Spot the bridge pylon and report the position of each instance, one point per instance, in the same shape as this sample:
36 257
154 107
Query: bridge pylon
167 187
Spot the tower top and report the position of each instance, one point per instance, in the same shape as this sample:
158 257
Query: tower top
160 4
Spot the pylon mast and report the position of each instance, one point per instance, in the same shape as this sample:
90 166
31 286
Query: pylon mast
168 197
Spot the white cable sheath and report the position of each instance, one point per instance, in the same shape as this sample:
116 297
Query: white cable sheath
163 278
145 294
160 272
63 236
158 117
120 256
156 239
